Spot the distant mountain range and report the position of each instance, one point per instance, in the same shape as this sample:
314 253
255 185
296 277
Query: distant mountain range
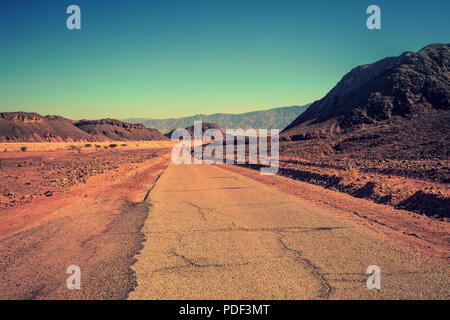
277 118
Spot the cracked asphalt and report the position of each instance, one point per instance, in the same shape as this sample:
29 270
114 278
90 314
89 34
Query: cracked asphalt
214 234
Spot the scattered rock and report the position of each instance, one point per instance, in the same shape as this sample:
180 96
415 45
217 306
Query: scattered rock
48 193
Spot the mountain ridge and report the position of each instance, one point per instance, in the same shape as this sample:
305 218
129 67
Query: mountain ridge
275 118
112 129
407 86
33 127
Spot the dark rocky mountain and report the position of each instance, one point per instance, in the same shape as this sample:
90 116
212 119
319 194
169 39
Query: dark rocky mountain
406 87
277 118
110 129
25 126
32 127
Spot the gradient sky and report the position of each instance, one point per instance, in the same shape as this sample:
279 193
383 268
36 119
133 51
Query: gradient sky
167 58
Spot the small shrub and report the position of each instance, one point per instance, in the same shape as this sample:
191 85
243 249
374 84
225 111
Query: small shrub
351 172
23 149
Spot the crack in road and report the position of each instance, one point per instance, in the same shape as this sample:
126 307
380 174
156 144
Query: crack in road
314 269
200 210
191 264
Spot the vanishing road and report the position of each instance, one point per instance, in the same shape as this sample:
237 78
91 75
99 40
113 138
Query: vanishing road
214 234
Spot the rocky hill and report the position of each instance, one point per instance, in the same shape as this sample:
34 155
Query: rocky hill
110 129
32 127
25 126
205 126
408 86
277 118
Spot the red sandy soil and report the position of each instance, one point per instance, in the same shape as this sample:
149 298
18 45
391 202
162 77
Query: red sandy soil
33 175
419 232
93 222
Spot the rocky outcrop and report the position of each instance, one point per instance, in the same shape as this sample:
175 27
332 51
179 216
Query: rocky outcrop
32 127
111 129
25 126
205 127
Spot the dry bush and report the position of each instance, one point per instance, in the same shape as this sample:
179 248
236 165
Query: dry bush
351 172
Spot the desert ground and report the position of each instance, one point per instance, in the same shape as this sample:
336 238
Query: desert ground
402 163
140 227
58 199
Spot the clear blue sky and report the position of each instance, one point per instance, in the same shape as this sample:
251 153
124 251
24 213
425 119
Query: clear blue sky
169 58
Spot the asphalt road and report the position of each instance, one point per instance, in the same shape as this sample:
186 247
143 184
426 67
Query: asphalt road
214 234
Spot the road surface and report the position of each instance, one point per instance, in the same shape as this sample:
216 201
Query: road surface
214 234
